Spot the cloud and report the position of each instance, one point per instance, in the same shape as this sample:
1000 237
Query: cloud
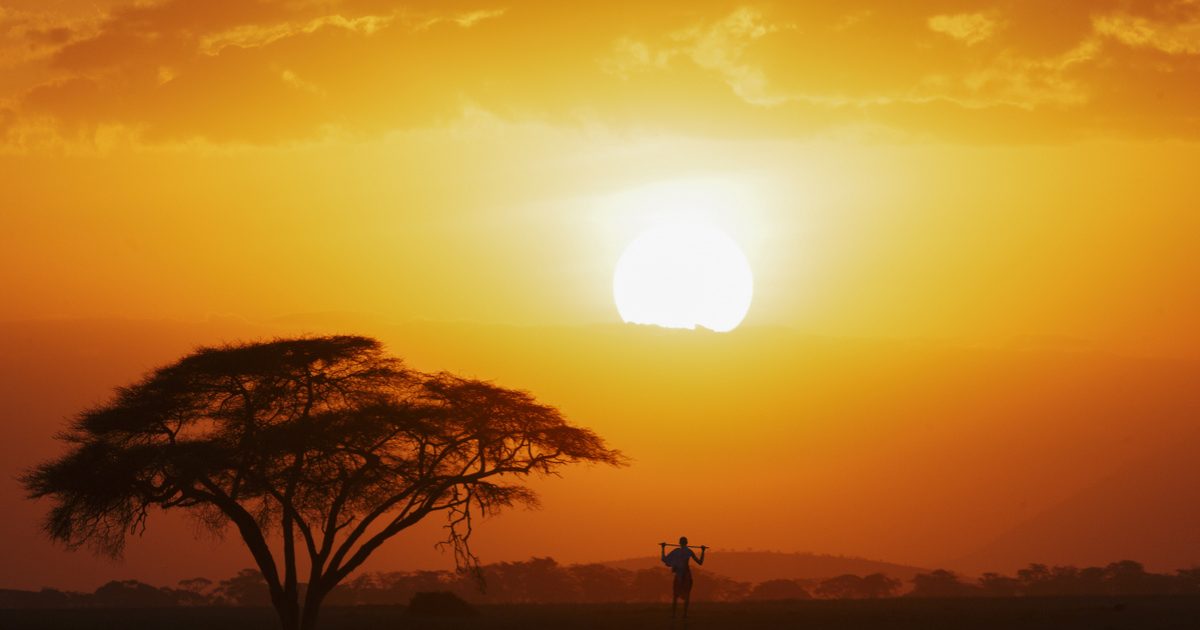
253 36
718 46
1030 82
465 19
721 47
1180 37
968 28
724 47
27 36
471 18
629 56
291 78
276 71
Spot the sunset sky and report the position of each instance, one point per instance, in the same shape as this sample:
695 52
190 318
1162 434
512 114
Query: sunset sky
984 208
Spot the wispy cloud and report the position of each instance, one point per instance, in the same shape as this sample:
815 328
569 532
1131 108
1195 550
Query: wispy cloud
253 35
722 46
267 71
1179 37
718 46
968 28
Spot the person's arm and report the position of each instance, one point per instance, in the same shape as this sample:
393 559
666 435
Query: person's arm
662 550
700 560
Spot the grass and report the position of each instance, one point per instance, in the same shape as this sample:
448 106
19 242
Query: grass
1058 613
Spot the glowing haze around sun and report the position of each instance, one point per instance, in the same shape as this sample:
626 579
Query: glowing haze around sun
683 275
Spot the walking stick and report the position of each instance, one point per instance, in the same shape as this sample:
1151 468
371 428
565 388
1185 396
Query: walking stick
664 544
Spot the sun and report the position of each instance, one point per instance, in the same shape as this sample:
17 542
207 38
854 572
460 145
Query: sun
683 275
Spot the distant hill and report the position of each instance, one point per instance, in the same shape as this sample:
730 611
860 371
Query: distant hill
1147 511
759 566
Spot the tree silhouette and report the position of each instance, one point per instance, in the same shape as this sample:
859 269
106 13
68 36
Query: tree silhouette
777 589
599 583
198 585
941 583
1187 581
876 585
997 585
851 586
247 588
318 450
133 594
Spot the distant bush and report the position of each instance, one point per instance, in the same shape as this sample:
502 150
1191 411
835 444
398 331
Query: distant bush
1037 580
542 580
942 583
855 587
777 590
134 594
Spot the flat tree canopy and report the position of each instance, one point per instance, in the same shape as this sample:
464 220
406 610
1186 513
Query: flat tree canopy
325 446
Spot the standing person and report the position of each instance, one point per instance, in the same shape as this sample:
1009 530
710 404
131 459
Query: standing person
678 560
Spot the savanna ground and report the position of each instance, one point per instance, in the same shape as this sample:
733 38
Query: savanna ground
1059 613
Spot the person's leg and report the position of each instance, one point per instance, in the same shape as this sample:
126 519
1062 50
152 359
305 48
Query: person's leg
675 584
687 594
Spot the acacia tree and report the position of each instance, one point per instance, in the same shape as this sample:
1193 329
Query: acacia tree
317 450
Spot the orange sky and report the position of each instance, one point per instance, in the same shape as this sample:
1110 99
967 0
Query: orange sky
996 176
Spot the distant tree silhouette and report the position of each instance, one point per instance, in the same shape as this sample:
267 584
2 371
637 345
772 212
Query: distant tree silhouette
777 589
1088 580
542 580
45 598
649 585
537 580
198 585
711 587
1187 581
855 587
1041 580
247 588
600 583
996 585
876 585
842 586
132 594
941 583
534 580
326 443
1036 579
1127 577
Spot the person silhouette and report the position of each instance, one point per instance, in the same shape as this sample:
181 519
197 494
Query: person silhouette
678 560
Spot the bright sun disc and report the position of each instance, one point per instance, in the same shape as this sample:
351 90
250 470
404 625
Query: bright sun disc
683 275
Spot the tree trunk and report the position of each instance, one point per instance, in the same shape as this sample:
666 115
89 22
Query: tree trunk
312 605
289 612
309 622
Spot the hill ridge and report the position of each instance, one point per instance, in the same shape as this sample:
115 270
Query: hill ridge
759 566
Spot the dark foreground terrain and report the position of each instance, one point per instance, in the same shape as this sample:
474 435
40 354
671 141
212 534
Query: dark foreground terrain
1058 613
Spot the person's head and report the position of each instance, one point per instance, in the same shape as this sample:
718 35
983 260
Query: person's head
683 541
